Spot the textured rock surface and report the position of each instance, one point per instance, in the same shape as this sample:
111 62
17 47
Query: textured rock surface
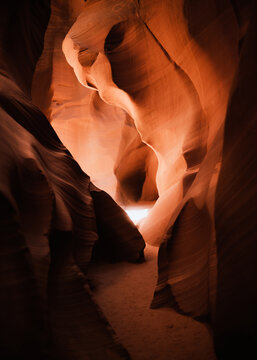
49 219
171 67
172 79
141 103
91 129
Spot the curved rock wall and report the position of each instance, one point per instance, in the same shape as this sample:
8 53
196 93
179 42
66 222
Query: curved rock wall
52 223
170 66
156 101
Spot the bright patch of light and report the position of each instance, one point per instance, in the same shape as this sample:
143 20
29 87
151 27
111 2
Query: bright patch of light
136 215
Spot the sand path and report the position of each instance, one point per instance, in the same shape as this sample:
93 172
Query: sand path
124 292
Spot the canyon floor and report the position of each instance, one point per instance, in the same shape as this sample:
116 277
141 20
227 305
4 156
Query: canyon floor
124 292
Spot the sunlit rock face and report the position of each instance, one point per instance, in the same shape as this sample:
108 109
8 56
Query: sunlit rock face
140 92
170 67
98 135
89 128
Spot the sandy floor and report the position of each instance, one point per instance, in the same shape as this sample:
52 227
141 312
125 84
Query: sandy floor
124 292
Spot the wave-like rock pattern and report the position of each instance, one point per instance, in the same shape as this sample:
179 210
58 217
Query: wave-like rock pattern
181 70
170 66
94 132
51 219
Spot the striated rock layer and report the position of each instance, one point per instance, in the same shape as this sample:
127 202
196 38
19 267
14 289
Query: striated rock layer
94 132
171 66
162 64
51 219
156 102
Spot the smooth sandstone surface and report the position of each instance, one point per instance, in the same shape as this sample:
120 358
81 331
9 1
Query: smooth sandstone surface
155 103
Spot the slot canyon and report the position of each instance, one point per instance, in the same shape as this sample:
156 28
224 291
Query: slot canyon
128 181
